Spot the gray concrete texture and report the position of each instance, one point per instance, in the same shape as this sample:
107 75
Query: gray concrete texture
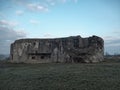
73 49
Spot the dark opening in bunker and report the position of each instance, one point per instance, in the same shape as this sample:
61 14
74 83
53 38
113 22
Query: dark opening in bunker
40 55
34 43
78 60
33 57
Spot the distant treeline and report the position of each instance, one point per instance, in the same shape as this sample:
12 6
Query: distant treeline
4 57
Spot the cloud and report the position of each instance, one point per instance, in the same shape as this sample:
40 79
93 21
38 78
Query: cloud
37 7
47 35
112 44
8 23
35 22
53 2
19 12
75 1
115 42
8 35
64 1
40 5
112 41
116 32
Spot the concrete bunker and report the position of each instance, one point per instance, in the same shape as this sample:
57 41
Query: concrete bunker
70 49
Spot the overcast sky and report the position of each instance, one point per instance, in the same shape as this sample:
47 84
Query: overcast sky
60 18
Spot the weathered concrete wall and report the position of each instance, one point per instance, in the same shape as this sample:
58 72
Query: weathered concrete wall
70 49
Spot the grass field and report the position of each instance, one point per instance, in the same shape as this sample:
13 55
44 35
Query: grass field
57 76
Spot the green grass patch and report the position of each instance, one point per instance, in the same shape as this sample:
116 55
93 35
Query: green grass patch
60 76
